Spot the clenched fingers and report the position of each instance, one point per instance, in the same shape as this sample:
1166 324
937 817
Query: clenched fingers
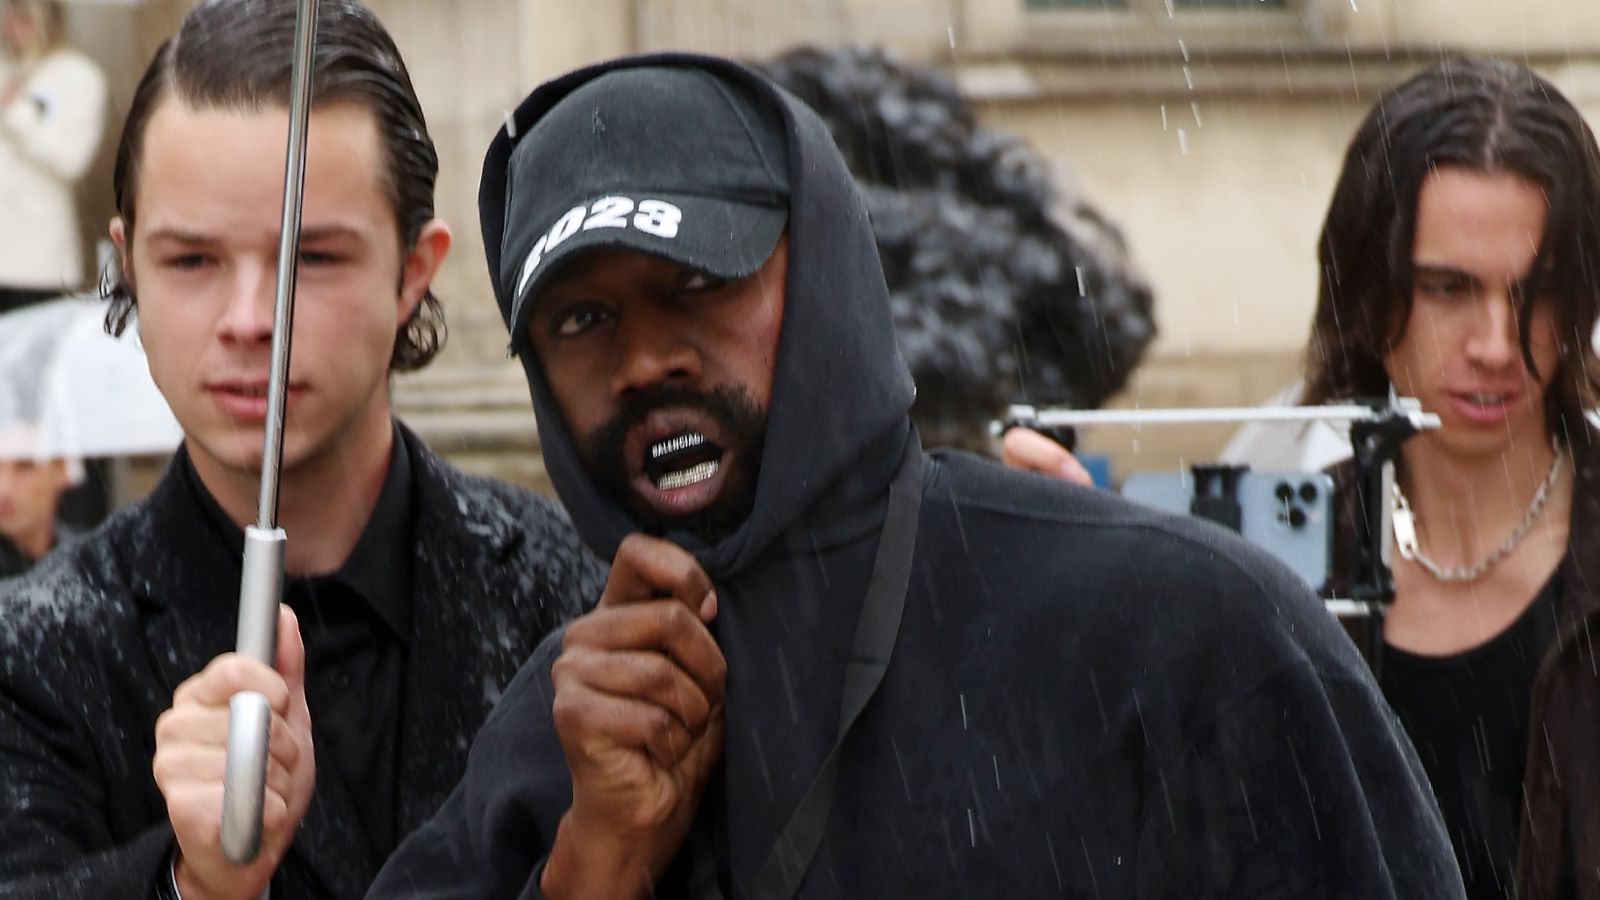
590 722
641 675
194 810
229 674
177 763
648 568
193 725
666 626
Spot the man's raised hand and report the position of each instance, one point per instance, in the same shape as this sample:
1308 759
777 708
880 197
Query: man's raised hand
638 709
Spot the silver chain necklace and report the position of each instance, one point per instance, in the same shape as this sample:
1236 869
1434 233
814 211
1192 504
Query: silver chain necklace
1405 531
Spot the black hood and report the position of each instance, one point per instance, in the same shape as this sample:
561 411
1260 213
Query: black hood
840 391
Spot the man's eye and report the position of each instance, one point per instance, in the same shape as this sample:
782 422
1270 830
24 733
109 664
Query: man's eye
574 322
319 258
187 261
1444 289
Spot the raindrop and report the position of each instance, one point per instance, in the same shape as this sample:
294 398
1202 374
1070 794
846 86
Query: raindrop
1088 862
963 712
951 30
1183 142
1245 794
1194 107
1083 289
1163 117
906 782
1051 846
1188 77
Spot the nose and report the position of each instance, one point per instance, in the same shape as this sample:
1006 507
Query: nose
653 349
247 318
1493 342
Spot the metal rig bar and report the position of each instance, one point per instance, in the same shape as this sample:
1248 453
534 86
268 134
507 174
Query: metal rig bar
1060 418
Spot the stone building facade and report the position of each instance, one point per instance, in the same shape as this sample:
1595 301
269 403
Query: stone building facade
1209 130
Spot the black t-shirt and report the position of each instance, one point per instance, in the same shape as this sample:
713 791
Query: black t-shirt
355 624
1468 715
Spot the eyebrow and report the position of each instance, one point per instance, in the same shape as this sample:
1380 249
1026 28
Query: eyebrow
1448 271
182 235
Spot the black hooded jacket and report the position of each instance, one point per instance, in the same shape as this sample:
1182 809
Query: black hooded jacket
1084 699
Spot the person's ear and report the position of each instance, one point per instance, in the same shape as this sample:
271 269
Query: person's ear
119 239
422 264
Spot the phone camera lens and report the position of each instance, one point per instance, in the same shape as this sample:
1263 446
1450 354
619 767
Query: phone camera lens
1284 491
1308 492
1297 518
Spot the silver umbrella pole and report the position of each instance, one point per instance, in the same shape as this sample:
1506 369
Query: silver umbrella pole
261 581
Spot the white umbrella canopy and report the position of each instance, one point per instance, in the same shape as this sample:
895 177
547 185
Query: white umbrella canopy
69 390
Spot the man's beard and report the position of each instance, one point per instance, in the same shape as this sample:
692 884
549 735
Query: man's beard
744 431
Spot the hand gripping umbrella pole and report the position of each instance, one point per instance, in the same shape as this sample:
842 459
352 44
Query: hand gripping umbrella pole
261 580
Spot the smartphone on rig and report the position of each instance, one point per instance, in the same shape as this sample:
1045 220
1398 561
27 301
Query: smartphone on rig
1289 514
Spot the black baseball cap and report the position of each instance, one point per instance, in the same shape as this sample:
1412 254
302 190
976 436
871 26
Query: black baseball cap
673 161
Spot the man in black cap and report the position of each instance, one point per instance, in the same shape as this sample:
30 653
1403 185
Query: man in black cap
827 663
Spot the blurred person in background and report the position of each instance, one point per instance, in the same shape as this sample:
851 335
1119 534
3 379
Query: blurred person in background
30 491
1459 262
52 117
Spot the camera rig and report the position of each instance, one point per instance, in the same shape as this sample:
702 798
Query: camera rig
1378 426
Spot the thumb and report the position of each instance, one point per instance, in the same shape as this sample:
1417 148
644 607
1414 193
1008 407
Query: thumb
291 657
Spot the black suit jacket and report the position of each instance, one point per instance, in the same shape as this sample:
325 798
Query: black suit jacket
95 639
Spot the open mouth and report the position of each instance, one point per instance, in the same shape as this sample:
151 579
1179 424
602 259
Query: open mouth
681 459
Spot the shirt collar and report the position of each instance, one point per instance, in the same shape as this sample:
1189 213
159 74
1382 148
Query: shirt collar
378 569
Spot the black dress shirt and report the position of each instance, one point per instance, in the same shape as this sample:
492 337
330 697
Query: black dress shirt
355 623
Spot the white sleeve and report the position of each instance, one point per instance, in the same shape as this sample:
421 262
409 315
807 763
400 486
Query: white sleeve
58 118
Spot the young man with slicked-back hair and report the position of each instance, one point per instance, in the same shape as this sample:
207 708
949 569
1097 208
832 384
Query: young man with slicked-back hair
415 589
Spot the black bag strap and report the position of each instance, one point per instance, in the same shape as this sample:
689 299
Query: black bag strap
873 645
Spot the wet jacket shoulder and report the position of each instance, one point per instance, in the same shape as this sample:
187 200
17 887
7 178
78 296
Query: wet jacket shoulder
1086 698
95 639
1271 766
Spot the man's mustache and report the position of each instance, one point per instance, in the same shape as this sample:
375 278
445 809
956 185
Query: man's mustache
731 408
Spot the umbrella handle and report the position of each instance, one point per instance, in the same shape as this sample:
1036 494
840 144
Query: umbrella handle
249 716
244 780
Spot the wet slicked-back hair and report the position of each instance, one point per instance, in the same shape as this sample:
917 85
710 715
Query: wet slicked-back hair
237 55
1488 116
